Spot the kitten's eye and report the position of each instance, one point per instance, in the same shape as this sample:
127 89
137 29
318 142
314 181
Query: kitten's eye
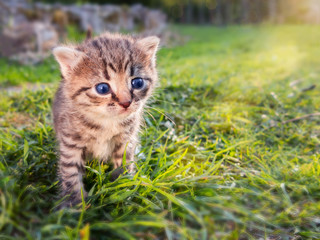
103 88
137 83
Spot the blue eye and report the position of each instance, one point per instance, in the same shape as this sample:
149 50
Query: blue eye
137 83
102 88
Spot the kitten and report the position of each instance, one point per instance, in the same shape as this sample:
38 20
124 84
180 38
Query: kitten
98 107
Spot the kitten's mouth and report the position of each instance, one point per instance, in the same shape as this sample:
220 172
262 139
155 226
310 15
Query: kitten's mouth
124 111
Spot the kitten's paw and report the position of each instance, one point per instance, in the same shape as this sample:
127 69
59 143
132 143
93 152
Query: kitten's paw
116 173
72 200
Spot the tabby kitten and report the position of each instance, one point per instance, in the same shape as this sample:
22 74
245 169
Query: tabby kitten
98 107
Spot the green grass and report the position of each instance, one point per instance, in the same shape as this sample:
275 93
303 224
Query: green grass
230 167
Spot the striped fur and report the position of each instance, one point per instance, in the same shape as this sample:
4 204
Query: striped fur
89 124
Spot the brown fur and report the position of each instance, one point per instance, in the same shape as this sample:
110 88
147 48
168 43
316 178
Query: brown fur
87 123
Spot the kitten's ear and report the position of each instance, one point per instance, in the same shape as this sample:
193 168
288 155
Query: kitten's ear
67 58
150 45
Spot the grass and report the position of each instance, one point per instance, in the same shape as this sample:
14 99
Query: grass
231 167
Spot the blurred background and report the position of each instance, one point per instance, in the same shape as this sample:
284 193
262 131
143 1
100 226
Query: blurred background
29 28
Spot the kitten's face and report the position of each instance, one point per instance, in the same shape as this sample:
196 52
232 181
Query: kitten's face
109 76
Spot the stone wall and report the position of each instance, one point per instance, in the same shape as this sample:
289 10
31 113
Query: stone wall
33 29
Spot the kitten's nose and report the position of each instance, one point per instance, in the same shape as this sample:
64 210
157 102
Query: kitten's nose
125 104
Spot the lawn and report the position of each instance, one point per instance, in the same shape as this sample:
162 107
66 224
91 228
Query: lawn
230 148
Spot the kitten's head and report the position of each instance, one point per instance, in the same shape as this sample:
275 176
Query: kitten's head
111 76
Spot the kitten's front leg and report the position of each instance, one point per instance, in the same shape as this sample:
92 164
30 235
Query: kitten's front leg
120 147
71 170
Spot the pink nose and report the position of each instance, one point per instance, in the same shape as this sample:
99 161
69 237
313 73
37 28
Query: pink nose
125 104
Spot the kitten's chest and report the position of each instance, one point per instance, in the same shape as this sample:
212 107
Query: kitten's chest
101 146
